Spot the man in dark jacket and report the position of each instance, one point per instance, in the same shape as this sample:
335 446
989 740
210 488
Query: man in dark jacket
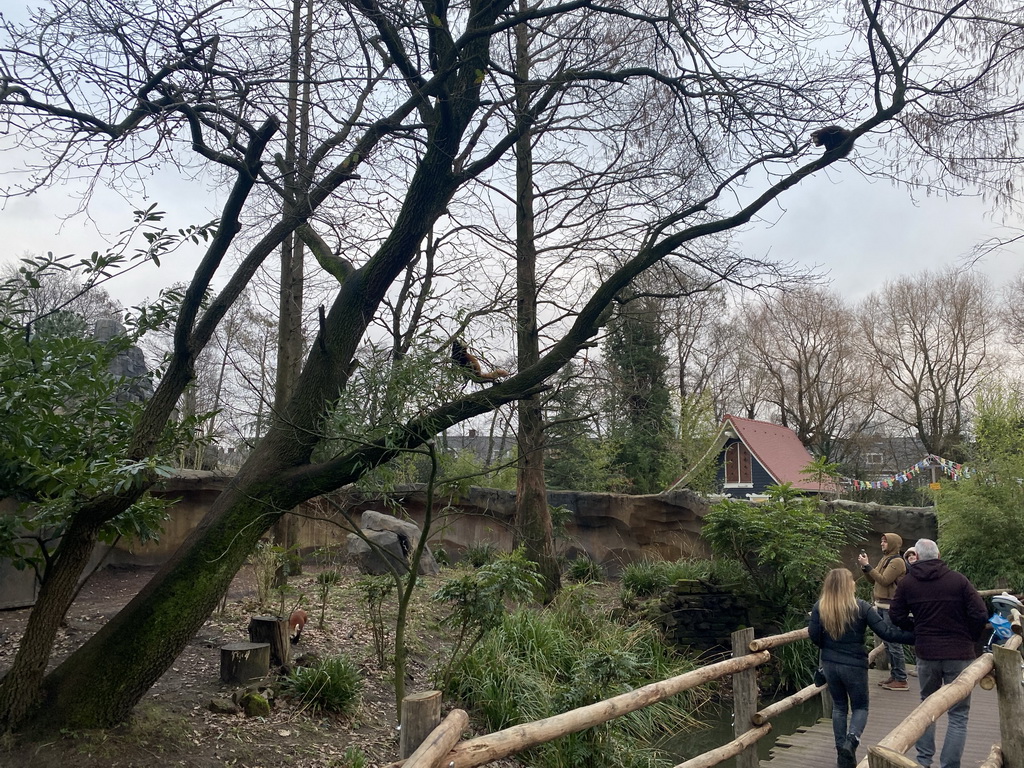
948 617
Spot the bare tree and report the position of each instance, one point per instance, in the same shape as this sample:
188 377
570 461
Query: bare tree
929 336
807 345
412 131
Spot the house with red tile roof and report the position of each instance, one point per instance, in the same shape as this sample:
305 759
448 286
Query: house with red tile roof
757 454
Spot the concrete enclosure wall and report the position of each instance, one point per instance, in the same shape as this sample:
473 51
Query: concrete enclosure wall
612 529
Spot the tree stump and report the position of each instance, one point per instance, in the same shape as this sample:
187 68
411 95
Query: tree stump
421 714
242 662
272 630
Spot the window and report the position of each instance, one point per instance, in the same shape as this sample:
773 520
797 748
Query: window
873 458
738 465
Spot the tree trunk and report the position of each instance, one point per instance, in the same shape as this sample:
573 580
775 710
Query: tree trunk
533 518
20 689
130 653
292 289
272 630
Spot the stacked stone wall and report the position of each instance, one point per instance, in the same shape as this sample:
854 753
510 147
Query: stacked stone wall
699 615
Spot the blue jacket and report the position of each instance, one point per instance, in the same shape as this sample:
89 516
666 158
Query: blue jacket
850 649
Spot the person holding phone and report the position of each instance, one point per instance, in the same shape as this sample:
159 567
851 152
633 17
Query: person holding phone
886 576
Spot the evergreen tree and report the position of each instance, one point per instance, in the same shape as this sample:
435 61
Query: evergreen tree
640 404
576 458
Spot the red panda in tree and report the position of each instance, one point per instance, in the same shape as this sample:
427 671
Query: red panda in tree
470 365
831 137
297 623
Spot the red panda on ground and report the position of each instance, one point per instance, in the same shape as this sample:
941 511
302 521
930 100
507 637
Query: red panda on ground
296 623
470 365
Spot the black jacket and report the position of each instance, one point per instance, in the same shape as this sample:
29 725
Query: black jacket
944 609
849 649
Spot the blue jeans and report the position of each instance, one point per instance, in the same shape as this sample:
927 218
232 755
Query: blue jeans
933 674
897 664
848 687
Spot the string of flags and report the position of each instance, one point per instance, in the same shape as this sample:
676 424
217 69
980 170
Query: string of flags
950 468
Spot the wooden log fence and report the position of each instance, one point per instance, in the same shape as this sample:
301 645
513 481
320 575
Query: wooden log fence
906 734
440 748
734 748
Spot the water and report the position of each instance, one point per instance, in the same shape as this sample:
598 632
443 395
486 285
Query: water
719 731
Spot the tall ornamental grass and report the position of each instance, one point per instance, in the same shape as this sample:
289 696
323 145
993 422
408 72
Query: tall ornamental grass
538 663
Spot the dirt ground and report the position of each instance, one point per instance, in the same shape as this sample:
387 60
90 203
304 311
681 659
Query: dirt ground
173 725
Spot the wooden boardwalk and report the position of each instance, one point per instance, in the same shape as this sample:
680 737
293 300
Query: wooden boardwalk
814 747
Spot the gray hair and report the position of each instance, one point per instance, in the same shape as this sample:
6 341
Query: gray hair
927 549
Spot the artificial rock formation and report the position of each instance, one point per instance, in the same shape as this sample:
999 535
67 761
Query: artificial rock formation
391 541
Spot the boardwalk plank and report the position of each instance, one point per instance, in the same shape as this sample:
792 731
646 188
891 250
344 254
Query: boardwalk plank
814 747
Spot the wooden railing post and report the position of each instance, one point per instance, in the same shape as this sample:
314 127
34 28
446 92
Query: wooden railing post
421 714
1008 665
744 697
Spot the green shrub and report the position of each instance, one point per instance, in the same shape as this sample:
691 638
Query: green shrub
583 570
332 685
480 554
375 592
981 514
476 601
538 663
785 544
646 578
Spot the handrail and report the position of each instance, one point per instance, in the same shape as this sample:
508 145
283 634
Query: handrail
905 735
501 744
773 641
784 705
724 752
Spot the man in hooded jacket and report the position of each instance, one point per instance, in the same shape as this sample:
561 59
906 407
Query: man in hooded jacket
948 617
886 576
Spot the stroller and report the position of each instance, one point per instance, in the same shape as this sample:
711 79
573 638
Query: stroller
1000 620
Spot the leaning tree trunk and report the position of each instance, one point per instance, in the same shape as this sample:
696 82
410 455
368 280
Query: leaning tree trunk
21 686
130 653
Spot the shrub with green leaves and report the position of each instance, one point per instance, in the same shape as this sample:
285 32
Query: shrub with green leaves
981 515
375 591
583 570
333 685
538 663
477 600
786 544
480 554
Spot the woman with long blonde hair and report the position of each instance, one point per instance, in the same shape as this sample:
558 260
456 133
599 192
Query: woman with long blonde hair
837 625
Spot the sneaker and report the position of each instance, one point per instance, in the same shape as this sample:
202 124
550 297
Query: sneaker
847 752
896 685
887 681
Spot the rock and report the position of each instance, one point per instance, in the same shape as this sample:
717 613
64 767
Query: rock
391 538
222 706
254 705
373 557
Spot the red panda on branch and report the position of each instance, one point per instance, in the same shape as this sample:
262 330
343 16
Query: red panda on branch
470 365
832 137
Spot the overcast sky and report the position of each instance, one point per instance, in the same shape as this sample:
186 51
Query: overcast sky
860 233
